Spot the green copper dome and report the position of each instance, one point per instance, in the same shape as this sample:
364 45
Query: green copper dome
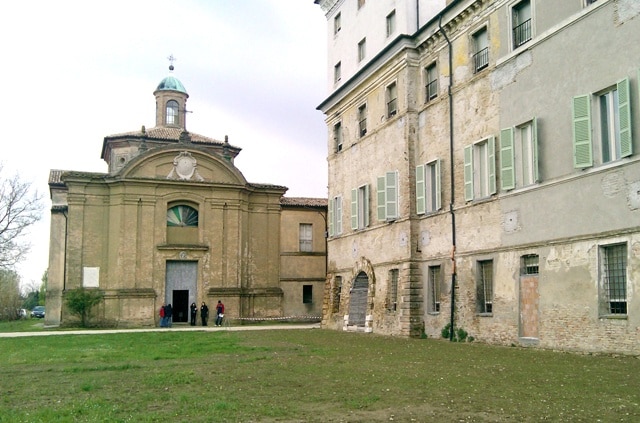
171 83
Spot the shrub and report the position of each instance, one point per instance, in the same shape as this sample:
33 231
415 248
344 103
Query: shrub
81 301
459 334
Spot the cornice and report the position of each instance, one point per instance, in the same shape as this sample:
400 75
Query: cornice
329 6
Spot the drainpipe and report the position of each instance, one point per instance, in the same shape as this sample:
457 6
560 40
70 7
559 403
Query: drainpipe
66 236
451 171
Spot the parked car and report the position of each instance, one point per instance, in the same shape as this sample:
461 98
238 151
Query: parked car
22 313
38 311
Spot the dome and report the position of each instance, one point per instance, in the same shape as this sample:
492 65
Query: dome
171 83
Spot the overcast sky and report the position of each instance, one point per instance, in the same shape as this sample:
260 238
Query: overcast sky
74 72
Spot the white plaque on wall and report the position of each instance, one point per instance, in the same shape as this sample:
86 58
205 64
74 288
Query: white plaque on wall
91 277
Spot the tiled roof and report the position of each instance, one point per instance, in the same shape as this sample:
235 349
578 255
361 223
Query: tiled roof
303 202
165 133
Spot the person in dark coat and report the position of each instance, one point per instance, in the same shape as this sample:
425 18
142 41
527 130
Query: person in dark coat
204 313
168 314
219 313
194 312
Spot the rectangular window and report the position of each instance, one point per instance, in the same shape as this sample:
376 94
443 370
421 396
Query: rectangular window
392 100
519 156
360 207
362 120
307 294
306 237
391 23
521 20
485 287
337 290
428 190
479 169
480 50
392 301
337 72
529 264
431 82
337 24
387 190
337 136
362 49
335 216
613 279
434 282
614 141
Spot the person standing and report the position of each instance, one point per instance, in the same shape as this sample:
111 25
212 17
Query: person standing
219 313
194 312
204 313
163 321
168 313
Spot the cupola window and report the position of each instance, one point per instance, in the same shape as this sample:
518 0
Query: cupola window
172 112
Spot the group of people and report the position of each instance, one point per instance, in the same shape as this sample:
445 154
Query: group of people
166 314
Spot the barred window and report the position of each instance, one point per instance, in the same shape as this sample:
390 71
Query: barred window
434 289
485 287
613 279
392 303
530 264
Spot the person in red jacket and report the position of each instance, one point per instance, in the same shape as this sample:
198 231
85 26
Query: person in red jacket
163 322
219 313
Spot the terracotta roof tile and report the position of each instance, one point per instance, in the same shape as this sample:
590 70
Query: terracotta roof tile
303 202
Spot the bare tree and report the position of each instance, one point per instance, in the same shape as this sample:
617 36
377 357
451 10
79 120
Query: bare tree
10 300
20 207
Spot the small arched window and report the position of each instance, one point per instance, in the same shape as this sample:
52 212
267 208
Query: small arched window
172 112
183 216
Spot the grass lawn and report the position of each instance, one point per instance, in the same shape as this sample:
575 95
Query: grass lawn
305 376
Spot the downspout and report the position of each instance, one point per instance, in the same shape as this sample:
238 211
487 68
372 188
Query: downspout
66 236
452 176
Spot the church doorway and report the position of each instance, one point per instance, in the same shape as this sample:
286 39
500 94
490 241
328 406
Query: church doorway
180 305
358 301
180 288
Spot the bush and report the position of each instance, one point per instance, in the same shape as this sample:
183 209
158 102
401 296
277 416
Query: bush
459 334
81 301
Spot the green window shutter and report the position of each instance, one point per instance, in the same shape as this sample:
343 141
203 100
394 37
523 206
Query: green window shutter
365 206
338 215
507 170
534 141
382 198
582 148
491 148
438 186
420 194
392 195
354 208
624 111
468 173
330 217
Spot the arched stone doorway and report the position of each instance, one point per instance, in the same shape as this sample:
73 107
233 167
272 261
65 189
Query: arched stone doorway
358 300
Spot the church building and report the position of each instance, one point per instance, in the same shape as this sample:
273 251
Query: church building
175 221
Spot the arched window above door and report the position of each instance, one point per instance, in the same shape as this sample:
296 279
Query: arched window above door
183 216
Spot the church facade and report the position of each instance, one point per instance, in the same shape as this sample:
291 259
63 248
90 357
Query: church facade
175 221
